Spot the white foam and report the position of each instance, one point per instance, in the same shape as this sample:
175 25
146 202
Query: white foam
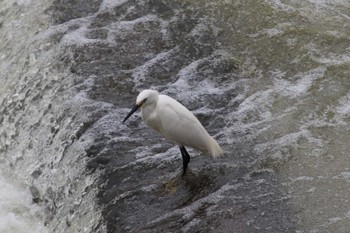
343 176
344 106
300 86
140 73
311 7
284 141
186 86
302 178
331 6
258 104
332 2
109 4
77 37
17 212
24 2
334 59
278 5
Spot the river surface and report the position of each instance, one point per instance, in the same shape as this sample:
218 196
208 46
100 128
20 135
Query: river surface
268 79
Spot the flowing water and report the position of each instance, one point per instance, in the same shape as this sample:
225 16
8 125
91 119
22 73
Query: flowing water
268 79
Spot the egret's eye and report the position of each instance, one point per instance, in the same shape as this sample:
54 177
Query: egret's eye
143 101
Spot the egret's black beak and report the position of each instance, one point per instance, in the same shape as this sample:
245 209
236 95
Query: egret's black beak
131 112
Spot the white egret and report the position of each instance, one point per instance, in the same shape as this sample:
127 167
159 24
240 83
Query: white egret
176 123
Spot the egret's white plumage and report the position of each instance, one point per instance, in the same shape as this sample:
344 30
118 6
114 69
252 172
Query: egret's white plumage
175 122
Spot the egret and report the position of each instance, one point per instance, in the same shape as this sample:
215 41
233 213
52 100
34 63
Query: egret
176 123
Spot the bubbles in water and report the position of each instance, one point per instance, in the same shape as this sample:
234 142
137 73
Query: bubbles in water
16 208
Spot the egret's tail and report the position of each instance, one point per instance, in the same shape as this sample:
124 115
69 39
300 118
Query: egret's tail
214 148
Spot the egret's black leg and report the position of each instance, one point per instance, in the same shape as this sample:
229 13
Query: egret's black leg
185 159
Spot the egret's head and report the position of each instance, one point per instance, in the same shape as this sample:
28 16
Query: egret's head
145 97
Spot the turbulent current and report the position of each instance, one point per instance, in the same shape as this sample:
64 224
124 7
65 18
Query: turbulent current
268 79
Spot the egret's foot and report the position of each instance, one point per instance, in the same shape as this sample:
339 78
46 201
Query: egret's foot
183 173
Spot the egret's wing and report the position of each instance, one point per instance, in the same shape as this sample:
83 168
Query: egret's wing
178 124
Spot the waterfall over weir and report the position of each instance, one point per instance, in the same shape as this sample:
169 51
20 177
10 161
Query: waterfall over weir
268 79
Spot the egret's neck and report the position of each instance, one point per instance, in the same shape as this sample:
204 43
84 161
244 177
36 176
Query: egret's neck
148 111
